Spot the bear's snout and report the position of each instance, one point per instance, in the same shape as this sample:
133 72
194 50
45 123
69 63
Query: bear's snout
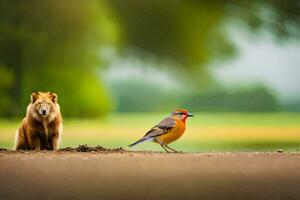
44 111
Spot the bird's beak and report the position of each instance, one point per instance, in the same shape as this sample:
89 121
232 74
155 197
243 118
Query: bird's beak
190 115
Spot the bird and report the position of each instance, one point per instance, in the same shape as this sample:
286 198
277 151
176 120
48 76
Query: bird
168 130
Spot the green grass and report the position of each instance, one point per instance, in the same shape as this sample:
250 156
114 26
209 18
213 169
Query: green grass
205 132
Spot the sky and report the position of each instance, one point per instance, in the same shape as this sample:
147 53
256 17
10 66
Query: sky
263 59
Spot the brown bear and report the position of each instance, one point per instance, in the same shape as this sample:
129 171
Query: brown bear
42 126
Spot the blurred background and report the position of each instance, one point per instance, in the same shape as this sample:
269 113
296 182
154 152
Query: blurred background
119 67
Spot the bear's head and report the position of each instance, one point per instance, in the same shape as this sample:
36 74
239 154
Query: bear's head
44 104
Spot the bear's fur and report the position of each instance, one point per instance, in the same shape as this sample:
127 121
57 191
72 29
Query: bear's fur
41 128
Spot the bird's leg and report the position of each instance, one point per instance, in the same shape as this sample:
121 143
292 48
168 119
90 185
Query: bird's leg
172 149
164 148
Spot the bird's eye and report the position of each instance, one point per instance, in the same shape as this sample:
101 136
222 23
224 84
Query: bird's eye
179 113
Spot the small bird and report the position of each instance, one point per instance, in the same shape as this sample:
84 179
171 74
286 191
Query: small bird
168 130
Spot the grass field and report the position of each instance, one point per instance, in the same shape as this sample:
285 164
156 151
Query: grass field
205 132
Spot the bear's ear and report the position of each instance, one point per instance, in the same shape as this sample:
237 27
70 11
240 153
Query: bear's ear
53 97
34 96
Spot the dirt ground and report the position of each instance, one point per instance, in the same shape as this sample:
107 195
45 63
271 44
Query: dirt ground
85 173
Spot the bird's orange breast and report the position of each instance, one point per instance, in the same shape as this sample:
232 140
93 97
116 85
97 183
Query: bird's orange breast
173 134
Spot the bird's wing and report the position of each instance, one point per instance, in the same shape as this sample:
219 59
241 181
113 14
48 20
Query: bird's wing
161 128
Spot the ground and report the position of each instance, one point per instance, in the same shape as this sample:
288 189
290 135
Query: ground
120 174
123 173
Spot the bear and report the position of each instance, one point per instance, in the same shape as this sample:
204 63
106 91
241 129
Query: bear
41 128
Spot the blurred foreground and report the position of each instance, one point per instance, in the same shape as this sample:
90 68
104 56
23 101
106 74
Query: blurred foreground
205 132
41 175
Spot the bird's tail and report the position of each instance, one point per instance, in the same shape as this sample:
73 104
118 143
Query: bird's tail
139 141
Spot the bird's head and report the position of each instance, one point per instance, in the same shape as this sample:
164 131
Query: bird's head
182 114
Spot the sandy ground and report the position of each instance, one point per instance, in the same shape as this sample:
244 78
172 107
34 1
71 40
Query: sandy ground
146 175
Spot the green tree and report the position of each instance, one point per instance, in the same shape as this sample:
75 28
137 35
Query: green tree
54 45
254 99
191 32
